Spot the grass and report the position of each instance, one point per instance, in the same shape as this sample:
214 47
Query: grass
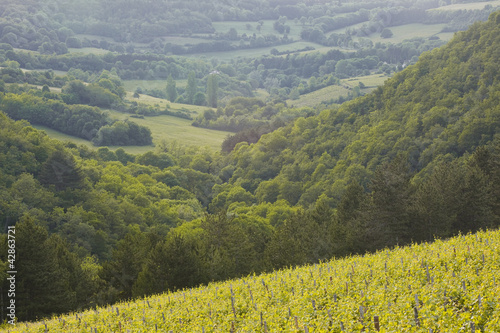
316 97
173 128
467 6
444 286
132 85
405 31
150 100
88 50
333 92
370 81
258 52
162 127
266 29
408 31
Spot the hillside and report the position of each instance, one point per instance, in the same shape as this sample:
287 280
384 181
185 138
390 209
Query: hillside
415 160
446 286
439 109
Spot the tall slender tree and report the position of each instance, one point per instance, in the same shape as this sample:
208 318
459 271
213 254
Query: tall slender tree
212 87
191 88
171 89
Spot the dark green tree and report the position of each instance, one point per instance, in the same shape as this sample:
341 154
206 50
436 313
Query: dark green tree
172 264
171 89
390 199
42 287
212 90
61 171
191 88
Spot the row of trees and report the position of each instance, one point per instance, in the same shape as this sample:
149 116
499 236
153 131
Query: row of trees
83 121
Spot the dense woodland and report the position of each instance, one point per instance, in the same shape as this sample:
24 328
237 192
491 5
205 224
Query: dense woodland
415 160
146 49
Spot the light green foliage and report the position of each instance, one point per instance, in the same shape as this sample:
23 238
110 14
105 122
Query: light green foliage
446 285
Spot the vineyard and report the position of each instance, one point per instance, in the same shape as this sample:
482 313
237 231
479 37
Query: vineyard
445 286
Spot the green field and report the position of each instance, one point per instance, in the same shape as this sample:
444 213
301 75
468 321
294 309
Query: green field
132 85
408 31
333 92
162 127
468 6
370 81
316 97
446 286
402 32
162 103
88 50
266 29
173 128
258 52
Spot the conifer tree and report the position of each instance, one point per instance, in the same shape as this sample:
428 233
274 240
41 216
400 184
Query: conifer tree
171 89
61 171
212 87
191 88
42 287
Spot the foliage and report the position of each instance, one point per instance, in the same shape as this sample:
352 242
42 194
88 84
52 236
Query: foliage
445 285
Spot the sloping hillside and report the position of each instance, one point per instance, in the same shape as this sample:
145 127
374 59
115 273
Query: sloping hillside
447 286
439 109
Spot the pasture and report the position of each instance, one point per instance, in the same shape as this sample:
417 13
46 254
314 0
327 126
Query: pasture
468 6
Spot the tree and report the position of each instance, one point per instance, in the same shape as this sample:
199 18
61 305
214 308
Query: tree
212 87
41 285
172 264
191 88
388 213
386 33
61 171
171 89
199 99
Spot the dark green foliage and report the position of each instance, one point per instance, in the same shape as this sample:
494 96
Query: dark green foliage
60 170
212 90
123 133
171 89
37 265
172 264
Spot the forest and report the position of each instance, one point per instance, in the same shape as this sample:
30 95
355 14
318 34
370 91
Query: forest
413 160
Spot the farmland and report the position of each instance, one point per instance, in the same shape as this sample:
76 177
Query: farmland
446 286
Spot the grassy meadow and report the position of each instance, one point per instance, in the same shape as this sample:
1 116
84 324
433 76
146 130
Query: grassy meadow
333 92
468 6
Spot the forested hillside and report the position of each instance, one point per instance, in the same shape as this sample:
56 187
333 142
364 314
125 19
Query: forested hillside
416 159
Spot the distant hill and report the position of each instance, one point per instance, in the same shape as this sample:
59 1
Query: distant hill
444 106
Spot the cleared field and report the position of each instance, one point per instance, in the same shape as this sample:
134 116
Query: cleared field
146 99
132 85
162 128
316 97
408 31
258 52
179 40
79 141
402 32
333 92
265 29
468 6
173 128
88 50
370 81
